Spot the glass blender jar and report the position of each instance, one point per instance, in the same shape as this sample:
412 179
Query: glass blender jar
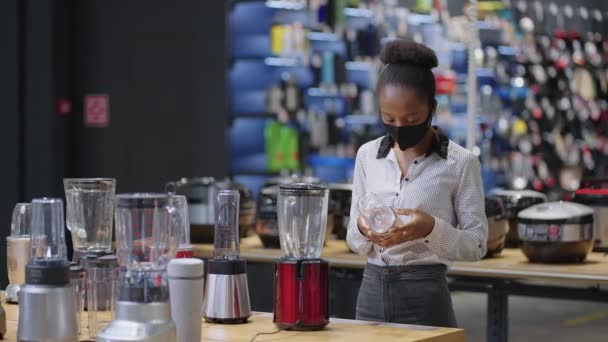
18 250
301 281
89 214
146 240
185 249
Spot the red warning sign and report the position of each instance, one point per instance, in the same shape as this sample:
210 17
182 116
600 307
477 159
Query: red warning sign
97 110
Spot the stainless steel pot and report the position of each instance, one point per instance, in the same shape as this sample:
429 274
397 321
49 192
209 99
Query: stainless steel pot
556 232
340 196
498 225
266 225
598 200
515 201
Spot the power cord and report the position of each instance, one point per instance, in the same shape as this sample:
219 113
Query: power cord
265 333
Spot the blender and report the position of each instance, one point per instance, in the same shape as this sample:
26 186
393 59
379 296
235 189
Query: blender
226 291
301 278
146 240
18 250
47 301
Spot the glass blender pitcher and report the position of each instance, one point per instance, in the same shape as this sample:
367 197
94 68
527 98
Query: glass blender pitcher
147 236
18 250
89 214
301 280
302 210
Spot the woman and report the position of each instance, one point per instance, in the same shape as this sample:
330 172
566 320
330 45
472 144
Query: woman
425 177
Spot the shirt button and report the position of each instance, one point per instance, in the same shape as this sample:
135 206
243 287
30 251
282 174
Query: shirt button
427 241
415 162
407 179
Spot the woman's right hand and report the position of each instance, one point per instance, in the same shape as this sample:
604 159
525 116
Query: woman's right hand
367 231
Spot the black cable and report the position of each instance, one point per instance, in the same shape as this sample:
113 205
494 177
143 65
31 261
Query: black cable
265 333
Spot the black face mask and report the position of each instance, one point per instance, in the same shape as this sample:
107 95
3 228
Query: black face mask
408 136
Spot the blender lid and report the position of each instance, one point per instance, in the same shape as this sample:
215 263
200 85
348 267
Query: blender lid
305 189
565 212
592 196
188 267
494 207
141 200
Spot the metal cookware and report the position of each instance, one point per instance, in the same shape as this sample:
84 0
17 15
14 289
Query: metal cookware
498 225
597 198
515 201
266 225
556 232
340 195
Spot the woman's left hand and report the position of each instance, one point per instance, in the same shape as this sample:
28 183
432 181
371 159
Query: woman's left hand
418 226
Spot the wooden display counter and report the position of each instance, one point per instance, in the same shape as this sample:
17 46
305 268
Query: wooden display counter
499 277
511 263
338 330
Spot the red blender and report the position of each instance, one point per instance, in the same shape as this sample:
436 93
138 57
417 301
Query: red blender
301 278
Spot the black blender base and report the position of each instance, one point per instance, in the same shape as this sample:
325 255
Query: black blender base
227 320
301 327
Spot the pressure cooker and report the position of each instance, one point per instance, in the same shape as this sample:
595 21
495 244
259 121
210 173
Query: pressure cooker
498 225
515 201
556 232
596 198
200 192
340 195
266 225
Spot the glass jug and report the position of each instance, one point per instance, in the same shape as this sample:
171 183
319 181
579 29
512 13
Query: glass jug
147 235
302 214
89 211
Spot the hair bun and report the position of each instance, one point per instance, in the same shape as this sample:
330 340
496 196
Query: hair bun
400 51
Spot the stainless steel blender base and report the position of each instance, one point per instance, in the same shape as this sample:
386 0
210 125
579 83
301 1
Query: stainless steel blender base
134 322
2 322
226 298
12 293
47 314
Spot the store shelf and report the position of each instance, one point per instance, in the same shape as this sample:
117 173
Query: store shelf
259 74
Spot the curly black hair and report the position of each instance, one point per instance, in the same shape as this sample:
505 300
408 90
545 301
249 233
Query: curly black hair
408 64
